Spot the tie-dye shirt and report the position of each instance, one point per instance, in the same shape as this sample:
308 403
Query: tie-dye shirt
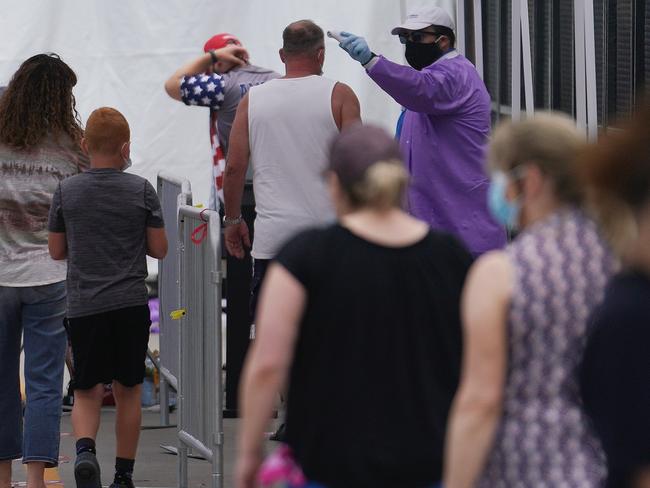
28 180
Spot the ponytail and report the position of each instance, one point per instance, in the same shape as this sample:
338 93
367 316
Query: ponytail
382 186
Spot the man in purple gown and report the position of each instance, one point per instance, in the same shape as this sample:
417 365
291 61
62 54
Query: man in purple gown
445 127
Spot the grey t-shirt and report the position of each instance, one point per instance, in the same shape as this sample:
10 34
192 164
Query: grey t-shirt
237 83
104 214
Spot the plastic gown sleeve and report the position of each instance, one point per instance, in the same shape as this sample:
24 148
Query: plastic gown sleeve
431 91
203 90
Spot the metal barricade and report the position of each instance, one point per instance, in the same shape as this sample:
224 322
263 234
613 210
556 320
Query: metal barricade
200 393
172 192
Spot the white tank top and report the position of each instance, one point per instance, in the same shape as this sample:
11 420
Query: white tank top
291 126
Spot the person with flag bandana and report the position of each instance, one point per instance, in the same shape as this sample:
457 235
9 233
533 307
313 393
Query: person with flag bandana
218 79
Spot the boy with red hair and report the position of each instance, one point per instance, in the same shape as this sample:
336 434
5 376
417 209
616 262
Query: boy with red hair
105 222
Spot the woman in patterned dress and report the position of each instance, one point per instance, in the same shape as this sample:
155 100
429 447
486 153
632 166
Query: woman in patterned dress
517 419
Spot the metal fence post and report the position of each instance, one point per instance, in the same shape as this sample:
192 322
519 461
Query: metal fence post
172 192
200 394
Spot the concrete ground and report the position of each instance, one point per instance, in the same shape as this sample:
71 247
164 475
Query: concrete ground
154 467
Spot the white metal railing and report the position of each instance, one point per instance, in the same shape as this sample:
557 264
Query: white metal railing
172 192
200 389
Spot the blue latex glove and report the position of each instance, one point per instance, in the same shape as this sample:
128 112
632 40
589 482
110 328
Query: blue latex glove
356 47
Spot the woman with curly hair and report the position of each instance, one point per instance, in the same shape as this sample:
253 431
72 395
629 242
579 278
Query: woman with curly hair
616 367
39 146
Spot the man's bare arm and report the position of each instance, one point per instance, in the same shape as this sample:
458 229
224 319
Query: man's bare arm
345 106
237 161
234 177
231 54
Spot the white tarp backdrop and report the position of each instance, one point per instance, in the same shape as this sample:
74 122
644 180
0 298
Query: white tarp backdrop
122 52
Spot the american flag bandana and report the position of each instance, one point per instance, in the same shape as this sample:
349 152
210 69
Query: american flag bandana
207 90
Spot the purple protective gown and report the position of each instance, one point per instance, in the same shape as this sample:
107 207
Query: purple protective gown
443 138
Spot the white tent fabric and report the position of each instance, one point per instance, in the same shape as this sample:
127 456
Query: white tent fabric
123 51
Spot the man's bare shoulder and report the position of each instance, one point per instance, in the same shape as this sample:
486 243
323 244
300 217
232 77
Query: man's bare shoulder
343 89
343 94
345 106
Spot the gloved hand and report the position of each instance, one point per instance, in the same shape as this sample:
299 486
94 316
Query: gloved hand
356 47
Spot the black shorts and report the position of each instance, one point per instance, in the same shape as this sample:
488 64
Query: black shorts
110 346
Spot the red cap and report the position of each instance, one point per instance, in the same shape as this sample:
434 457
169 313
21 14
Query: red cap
219 41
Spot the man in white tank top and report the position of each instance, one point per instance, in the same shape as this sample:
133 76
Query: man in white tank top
284 127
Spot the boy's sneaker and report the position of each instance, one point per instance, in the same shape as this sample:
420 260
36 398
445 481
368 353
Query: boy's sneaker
122 482
86 471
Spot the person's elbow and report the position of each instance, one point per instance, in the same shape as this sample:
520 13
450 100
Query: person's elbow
157 250
57 246
267 366
58 254
237 164
235 170
485 400
173 88
268 371
157 244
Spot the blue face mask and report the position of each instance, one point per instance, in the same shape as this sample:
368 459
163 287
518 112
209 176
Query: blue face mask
504 211
127 161
127 164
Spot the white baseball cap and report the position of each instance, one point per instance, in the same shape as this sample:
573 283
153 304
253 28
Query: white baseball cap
424 17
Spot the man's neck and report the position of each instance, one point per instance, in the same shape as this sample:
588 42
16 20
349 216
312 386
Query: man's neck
301 68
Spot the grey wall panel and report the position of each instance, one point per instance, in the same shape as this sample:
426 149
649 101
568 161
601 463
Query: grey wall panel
624 57
643 75
622 43
600 35
542 36
564 65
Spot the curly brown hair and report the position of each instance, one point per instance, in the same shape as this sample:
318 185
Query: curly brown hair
39 102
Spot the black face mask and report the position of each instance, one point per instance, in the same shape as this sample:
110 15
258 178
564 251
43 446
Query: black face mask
422 55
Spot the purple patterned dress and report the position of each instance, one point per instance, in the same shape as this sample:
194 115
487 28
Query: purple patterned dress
544 439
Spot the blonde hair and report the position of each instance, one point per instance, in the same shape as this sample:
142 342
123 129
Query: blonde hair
382 186
550 141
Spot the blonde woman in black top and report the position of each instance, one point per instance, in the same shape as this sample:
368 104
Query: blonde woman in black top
361 321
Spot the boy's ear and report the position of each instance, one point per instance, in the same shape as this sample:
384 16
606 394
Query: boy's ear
126 150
